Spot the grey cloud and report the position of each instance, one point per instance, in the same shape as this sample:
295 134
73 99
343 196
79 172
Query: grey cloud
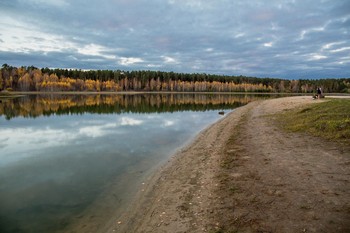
275 38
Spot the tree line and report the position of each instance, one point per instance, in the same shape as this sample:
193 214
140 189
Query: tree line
47 80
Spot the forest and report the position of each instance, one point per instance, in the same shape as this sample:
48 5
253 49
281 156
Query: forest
56 80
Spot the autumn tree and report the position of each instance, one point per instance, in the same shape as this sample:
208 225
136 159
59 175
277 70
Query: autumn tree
45 79
25 82
1 82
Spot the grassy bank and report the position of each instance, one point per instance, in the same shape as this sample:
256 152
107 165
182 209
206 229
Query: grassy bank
329 120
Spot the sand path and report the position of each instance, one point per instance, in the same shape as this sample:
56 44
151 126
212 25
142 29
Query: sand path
243 174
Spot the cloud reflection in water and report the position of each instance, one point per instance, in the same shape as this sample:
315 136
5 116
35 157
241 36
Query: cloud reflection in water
64 163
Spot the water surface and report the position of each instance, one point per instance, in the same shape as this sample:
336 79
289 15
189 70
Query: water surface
63 155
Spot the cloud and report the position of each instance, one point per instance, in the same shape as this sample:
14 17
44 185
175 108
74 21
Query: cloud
54 3
269 44
340 50
127 61
169 60
317 57
95 50
275 38
19 36
331 45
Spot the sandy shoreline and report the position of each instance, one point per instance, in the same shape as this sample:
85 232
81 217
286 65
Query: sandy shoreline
190 193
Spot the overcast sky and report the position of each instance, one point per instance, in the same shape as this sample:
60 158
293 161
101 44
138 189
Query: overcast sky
274 38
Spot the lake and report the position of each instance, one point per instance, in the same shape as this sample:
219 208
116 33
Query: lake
68 158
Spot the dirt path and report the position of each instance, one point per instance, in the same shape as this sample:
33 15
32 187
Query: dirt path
243 174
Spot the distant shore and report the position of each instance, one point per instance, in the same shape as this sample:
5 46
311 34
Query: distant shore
151 92
158 92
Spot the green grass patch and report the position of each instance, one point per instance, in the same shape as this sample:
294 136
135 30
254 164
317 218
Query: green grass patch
329 120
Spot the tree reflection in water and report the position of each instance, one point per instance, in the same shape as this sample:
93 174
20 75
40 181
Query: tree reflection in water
63 104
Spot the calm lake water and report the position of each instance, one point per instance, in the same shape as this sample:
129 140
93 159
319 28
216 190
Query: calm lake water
66 158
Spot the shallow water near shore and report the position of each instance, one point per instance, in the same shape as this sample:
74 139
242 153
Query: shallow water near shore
61 155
